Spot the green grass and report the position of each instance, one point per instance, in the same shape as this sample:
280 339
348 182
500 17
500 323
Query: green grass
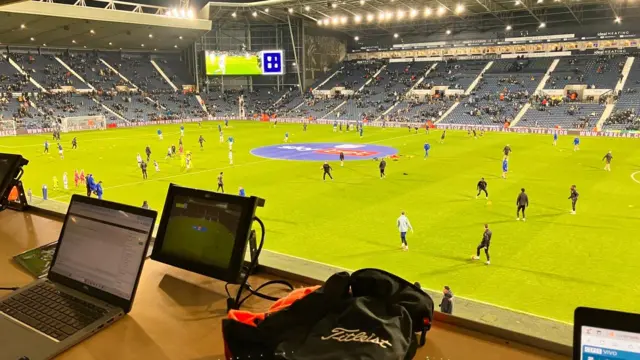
547 266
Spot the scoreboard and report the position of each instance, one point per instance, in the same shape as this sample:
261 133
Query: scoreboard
267 62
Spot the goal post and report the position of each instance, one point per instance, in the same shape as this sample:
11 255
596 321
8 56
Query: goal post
7 128
80 123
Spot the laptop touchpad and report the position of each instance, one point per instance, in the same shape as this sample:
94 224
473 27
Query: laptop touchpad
24 343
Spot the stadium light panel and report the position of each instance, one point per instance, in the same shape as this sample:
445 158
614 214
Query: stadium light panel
266 10
92 32
381 16
540 1
335 20
307 8
180 37
290 10
254 14
73 41
361 2
508 28
343 20
618 20
334 5
22 26
459 9
357 19
175 46
448 32
542 25
44 45
518 2
233 14
85 46
388 15
326 21
395 36
32 39
400 14
174 12
356 38
150 36
183 13
370 17
168 13
110 43
428 11
319 22
441 10
413 13
190 14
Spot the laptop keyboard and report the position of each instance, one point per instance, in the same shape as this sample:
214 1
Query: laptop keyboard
50 311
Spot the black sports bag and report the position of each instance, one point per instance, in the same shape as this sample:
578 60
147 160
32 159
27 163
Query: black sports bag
370 314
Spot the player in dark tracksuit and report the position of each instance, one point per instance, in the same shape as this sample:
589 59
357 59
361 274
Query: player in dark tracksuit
74 143
574 199
382 166
607 157
147 151
327 171
522 202
143 167
482 186
341 158
484 244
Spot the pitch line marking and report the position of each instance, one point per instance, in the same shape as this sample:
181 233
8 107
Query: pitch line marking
633 177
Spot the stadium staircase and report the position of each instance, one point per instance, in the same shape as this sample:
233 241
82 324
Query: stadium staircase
73 72
118 73
468 91
539 88
418 82
31 79
202 104
164 76
477 80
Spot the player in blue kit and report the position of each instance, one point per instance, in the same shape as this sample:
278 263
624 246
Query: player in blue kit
576 144
159 132
219 128
181 130
286 137
505 168
361 130
226 123
427 147
60 151
335 126
231 142
46 147
555 138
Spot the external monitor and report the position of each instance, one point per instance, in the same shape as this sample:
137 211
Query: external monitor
605 335
205 232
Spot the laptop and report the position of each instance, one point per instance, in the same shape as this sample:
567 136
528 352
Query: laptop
91 284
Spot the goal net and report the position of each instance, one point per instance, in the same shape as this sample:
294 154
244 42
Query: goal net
7 128
80 123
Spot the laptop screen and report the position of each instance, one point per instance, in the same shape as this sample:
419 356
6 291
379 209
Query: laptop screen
103 248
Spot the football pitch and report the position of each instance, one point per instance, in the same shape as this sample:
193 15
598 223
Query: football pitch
547 265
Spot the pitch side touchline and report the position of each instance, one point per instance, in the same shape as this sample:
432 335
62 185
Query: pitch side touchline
633 176
91 140
209 170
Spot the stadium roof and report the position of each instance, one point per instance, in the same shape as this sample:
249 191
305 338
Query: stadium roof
109 25
373 18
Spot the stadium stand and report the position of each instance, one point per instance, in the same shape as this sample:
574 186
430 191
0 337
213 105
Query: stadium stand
625 114
501 93
138 70
175 69
47 71
388 87
11 80
352 75
597 72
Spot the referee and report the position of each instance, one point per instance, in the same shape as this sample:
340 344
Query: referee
522 202
486 242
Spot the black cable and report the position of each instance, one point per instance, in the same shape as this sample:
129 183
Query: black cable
238 301
9 288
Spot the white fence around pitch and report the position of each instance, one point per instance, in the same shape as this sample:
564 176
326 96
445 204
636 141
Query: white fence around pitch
388 124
